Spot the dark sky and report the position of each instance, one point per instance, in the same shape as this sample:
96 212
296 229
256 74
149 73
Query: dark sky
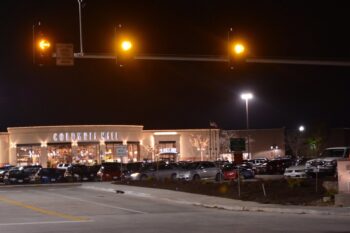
167 95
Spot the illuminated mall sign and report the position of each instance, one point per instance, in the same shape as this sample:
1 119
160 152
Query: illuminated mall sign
85 136
167 151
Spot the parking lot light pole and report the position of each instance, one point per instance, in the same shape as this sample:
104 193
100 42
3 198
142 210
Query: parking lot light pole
247 97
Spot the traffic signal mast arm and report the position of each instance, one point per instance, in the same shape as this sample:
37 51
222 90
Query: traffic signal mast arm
215 59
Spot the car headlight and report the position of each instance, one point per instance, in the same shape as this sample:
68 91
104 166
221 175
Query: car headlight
134 175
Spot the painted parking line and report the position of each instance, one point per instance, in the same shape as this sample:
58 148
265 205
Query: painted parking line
40 223
42 211
97 203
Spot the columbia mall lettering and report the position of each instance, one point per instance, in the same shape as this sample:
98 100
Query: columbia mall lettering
84 136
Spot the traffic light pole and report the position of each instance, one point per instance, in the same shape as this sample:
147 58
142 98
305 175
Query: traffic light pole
225 59
297 62
80 29
216 59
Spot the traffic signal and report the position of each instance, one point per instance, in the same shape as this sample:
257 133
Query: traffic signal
42 46
237 52
125 48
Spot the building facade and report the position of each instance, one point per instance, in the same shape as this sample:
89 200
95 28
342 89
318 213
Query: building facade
94 144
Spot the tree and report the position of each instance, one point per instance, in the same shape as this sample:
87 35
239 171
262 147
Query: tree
200 143
296 142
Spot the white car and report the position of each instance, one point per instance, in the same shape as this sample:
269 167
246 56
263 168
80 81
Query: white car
295 172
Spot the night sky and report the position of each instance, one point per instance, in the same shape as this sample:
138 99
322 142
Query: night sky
171 95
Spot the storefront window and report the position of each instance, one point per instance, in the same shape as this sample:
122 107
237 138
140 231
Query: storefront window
133 152
28 155
110 154
87 153
59 153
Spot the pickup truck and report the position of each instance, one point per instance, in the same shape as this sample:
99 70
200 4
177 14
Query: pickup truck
326 164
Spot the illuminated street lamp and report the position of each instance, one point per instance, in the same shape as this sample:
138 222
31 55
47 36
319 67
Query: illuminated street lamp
247 97
301 128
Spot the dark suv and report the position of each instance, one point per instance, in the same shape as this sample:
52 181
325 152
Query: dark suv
20 175
110 171
79 172
48 175
277 166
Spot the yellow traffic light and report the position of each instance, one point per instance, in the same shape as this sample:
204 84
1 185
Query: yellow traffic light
126 45
44 44
238 48
237 54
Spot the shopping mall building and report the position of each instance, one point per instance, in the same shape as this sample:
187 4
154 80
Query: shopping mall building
91 144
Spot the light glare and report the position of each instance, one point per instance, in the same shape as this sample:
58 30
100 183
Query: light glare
126 45
247 96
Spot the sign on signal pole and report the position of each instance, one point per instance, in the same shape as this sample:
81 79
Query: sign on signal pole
64 55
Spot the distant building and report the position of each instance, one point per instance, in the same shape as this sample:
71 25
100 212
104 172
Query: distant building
267 143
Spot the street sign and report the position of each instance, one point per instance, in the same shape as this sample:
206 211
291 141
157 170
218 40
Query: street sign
64 55
237 144
122 150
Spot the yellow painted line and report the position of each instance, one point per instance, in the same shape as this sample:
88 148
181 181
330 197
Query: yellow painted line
43 211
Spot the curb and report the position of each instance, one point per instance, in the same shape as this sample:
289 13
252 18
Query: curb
39 185
224 207
273 210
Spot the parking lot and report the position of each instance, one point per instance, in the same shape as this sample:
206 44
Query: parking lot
73 209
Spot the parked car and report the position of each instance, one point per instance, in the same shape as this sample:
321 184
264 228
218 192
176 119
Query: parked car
19 175
326 164
110 171
131 168
258 161
79 172
199 170
3 170
229 172
232 171
278 166
259 165
295 172
160 171
48 175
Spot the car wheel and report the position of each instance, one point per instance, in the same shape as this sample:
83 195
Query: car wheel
196 178
173 177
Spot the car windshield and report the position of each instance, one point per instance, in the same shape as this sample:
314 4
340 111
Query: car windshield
333 153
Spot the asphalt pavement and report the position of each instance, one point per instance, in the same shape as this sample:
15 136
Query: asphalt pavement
211 201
